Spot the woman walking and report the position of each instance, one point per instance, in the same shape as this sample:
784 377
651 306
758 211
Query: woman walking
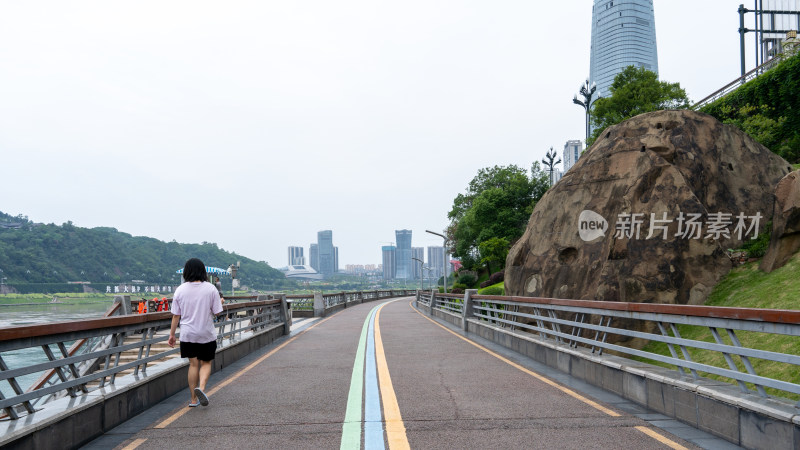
194 305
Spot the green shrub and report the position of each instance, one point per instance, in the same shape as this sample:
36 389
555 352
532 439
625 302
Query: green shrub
756 248
461 286
467 279
493 290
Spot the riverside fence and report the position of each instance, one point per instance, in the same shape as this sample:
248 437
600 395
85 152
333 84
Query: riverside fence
752 402
91 375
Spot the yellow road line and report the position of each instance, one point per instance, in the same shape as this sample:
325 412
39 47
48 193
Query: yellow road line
661 438
395 429
134 444
563 389
230 380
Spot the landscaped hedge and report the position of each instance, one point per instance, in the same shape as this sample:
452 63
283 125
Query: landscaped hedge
770 102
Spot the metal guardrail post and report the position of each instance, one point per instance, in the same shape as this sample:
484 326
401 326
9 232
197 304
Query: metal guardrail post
466 308
319 305
416 301
433 302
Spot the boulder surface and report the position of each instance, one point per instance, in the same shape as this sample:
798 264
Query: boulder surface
648 213
785 240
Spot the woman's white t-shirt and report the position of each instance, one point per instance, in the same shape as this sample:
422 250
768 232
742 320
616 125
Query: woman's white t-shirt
197 303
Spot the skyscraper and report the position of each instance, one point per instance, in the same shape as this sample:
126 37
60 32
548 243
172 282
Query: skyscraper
436 261
404 269
623 34
296 257
327 258
572 151
389 263
336 259
419 253
313 256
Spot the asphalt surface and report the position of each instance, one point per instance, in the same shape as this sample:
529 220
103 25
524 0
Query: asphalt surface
450 393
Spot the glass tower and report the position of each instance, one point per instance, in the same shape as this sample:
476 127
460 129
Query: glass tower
327 258
404 269
623 34
313 256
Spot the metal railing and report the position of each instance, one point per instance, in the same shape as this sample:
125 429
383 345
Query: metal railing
136 334
301 302
735 84
452 303
600 326
339 298
305 302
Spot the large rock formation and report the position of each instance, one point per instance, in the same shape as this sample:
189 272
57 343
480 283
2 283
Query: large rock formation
785 239
668 169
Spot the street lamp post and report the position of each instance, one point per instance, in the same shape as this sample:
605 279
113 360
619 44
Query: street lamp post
421 273
444 258
586 92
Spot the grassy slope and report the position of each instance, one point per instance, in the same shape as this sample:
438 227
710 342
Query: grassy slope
748 287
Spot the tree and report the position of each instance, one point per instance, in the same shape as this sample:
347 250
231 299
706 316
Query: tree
493 250
549 162
635 91
497 204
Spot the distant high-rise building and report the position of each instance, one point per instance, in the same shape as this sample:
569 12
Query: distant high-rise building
313 256
296 257
327 258
572 151
418 253
436 259
389 253
335 259
404 269
623 34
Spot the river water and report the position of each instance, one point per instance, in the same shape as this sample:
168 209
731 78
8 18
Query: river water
18 315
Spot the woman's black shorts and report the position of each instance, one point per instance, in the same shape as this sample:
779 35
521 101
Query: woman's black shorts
203 352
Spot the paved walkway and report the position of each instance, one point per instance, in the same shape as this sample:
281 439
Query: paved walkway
382 375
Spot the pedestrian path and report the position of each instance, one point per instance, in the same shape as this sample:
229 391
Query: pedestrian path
385 376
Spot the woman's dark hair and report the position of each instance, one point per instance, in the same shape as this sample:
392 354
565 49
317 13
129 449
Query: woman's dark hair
195 270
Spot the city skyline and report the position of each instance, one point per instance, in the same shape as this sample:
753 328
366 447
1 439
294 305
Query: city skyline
141 101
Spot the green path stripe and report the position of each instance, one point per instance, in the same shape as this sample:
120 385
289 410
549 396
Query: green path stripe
351 429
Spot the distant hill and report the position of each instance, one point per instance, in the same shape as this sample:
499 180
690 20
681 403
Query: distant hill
33 253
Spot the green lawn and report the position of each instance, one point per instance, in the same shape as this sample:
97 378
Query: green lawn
748 287
13 299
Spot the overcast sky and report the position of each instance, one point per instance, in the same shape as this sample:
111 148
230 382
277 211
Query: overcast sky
255 124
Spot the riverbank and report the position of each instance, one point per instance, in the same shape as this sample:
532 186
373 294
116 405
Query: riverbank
43 299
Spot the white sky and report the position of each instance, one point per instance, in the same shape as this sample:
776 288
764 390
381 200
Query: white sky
255 124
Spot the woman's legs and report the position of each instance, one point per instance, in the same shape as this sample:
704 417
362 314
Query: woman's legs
194 376
204 371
